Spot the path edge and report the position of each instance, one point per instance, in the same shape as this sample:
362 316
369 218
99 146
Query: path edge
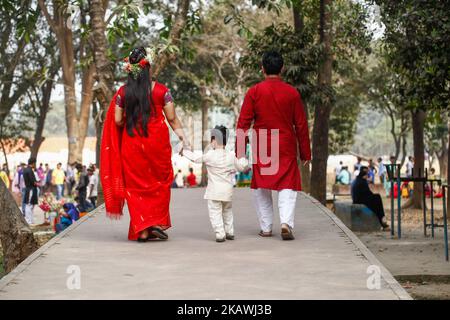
393 284
4 282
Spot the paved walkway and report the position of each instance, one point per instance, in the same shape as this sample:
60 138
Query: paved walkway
326 261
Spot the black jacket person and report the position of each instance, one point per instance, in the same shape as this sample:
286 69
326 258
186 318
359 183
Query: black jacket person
361 194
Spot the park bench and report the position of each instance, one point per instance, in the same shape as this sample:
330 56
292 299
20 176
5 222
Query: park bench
357 217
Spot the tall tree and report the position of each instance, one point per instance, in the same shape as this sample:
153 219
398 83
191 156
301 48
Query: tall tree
18 24
60 22
323 109
416 39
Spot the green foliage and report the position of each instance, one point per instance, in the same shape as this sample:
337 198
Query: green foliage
436 132
302 53
299 51
416 39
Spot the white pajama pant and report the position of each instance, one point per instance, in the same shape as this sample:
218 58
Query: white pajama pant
262 199
29 213
221 217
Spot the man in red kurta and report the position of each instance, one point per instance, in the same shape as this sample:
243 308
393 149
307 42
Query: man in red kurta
279 137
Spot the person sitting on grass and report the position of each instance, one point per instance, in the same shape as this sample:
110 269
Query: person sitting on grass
344 176
361 194
69 216
191 179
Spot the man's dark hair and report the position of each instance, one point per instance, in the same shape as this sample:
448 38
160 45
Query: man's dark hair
272 62
191 170
31 161
363 171
79 167
220 134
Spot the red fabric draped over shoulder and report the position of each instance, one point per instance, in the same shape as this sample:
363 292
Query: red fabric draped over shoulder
138 169
111 173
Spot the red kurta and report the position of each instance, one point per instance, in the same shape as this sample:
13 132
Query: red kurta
146 167
274 104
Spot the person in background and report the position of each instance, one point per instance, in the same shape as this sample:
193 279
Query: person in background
372 172
432 175
381 171
15 186
82 188
4 176
21 186
337 170
48 178
41 175
410 166
58 178
39 183
382 174
8 173
179 179
344 176
69 216
93 186
361 194
191 178
70 178
6 169
31 189
357 165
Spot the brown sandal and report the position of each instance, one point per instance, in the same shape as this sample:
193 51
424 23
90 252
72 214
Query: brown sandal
158 232
265 234
286 232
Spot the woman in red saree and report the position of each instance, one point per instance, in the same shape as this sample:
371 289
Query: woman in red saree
136 152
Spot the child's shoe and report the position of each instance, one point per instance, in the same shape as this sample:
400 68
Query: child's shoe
229 237
220 239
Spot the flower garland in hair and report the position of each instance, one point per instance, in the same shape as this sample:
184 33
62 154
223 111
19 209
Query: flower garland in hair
135 68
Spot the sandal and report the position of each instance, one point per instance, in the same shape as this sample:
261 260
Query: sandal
286 232
265 234
159 233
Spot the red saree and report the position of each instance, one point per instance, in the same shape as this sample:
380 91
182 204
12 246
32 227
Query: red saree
138 169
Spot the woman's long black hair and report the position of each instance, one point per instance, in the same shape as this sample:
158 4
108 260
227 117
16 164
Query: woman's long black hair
138 99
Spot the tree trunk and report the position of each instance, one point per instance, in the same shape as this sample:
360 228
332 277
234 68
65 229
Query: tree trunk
305 171
15 234
404 143
104 90
205 142
442 155
85 107
297 15
191 130
60 25
44 106
418 122
448 163
323 109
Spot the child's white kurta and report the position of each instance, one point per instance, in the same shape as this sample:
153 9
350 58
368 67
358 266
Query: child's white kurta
221 166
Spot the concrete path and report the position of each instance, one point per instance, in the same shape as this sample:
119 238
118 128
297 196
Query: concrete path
326 261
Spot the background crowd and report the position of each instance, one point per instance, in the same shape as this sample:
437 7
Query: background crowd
74 187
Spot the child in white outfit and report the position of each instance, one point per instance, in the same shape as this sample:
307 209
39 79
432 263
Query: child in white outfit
221 166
